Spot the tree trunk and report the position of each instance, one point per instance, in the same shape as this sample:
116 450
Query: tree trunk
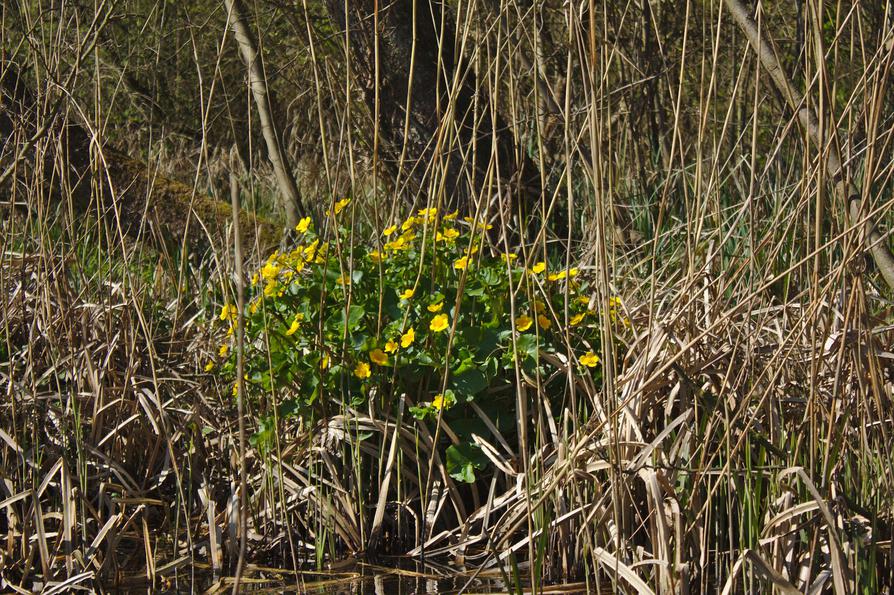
845 190
415 113
257 82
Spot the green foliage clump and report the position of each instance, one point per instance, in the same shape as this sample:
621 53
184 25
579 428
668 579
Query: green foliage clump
424 313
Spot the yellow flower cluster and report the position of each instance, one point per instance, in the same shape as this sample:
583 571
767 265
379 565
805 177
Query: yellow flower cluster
404 241
570 273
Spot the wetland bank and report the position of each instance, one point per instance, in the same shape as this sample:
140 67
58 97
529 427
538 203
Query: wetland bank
451 296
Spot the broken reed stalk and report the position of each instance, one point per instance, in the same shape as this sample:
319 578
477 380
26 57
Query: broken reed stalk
845 190
240 373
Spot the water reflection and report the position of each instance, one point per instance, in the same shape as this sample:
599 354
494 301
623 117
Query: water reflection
370 581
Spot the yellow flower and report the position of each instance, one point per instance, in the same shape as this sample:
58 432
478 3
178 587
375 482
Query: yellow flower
614 302
439 323
377 356
343 280
450 216
589 359
428 213
209 366
543 321
362 370
375 256
389 230
481 225
572 272
538 268
224 350
577 318
303 224
271 288
439 402
390 346
523 323
398 244
310 250
461 263
227 311
510 257
408 224
407 338
340 205
436 307
254 279
324 361
448 234
295 323
270 271
539 306
407 294
556 276
235 389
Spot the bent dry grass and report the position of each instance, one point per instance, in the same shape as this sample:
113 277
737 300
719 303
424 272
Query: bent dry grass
745 444
726 428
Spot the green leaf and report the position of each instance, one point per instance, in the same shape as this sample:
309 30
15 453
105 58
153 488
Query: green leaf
288 408
391 305
527 345
355 315
483 340
263 438
469 383
463 459
419 412
492 276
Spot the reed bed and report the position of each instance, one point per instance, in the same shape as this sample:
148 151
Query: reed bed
737 441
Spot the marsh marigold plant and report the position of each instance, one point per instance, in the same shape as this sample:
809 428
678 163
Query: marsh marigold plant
335 326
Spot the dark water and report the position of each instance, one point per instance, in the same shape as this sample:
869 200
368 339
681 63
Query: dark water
358 579
384 581
397 584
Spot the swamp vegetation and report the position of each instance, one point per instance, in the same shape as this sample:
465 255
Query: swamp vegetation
446 296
